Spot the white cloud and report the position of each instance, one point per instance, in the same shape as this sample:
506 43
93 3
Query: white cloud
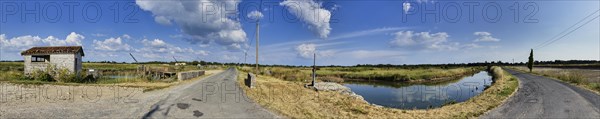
28 41
162 20
201 52
111 44
485 37
98 34
423 40
126 36
423 1
71 39
255 15
376 54
156 43
229 58
152 48
406 6
312 14
308 51
202 21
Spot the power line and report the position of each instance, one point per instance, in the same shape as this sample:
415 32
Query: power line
569 32
554 39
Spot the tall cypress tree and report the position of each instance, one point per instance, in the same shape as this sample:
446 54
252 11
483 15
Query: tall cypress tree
530 62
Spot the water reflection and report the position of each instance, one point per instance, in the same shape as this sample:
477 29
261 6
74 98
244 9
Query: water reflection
421 96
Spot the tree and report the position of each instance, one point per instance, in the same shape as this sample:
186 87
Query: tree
530 62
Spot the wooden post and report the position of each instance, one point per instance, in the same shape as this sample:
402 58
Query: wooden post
257 33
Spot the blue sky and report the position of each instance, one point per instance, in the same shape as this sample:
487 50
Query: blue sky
344 32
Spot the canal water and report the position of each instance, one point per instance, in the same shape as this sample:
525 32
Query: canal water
421 96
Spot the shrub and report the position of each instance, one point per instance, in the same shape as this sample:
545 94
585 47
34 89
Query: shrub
64 75
40 75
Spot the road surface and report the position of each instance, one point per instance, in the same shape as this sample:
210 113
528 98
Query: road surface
541 97
216 96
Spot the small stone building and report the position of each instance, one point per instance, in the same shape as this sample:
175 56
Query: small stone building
39 58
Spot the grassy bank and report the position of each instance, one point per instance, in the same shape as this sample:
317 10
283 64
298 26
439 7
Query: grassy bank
584 78
339 74
291 99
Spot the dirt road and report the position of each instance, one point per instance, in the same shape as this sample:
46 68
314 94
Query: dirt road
541 97
216 96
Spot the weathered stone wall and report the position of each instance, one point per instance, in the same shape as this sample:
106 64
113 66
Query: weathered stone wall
71 62
66 61
30 67
189 75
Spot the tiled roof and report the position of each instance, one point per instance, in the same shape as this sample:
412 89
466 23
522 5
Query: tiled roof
54 50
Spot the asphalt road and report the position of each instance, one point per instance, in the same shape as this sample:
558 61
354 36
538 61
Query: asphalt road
218 96
541 97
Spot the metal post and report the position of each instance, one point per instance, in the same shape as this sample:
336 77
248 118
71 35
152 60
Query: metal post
314 75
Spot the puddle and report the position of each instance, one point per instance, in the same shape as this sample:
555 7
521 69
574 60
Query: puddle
183 105
196 99
198 113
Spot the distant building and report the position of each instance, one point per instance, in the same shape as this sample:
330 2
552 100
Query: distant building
39 58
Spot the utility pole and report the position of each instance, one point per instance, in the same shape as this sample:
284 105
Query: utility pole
257 36
245 55
257 30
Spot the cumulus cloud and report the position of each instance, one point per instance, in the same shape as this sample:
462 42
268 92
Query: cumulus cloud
308 50
28 41
202 21
423 40
485 37
111 44
312 13
255 15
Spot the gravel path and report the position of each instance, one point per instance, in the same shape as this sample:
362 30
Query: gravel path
216 96
541 97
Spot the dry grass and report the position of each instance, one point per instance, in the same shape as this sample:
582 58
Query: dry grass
423 74
585 78
291 99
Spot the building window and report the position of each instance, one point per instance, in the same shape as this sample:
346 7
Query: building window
41 58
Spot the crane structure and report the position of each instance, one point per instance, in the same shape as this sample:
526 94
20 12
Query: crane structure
175 59
136 61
